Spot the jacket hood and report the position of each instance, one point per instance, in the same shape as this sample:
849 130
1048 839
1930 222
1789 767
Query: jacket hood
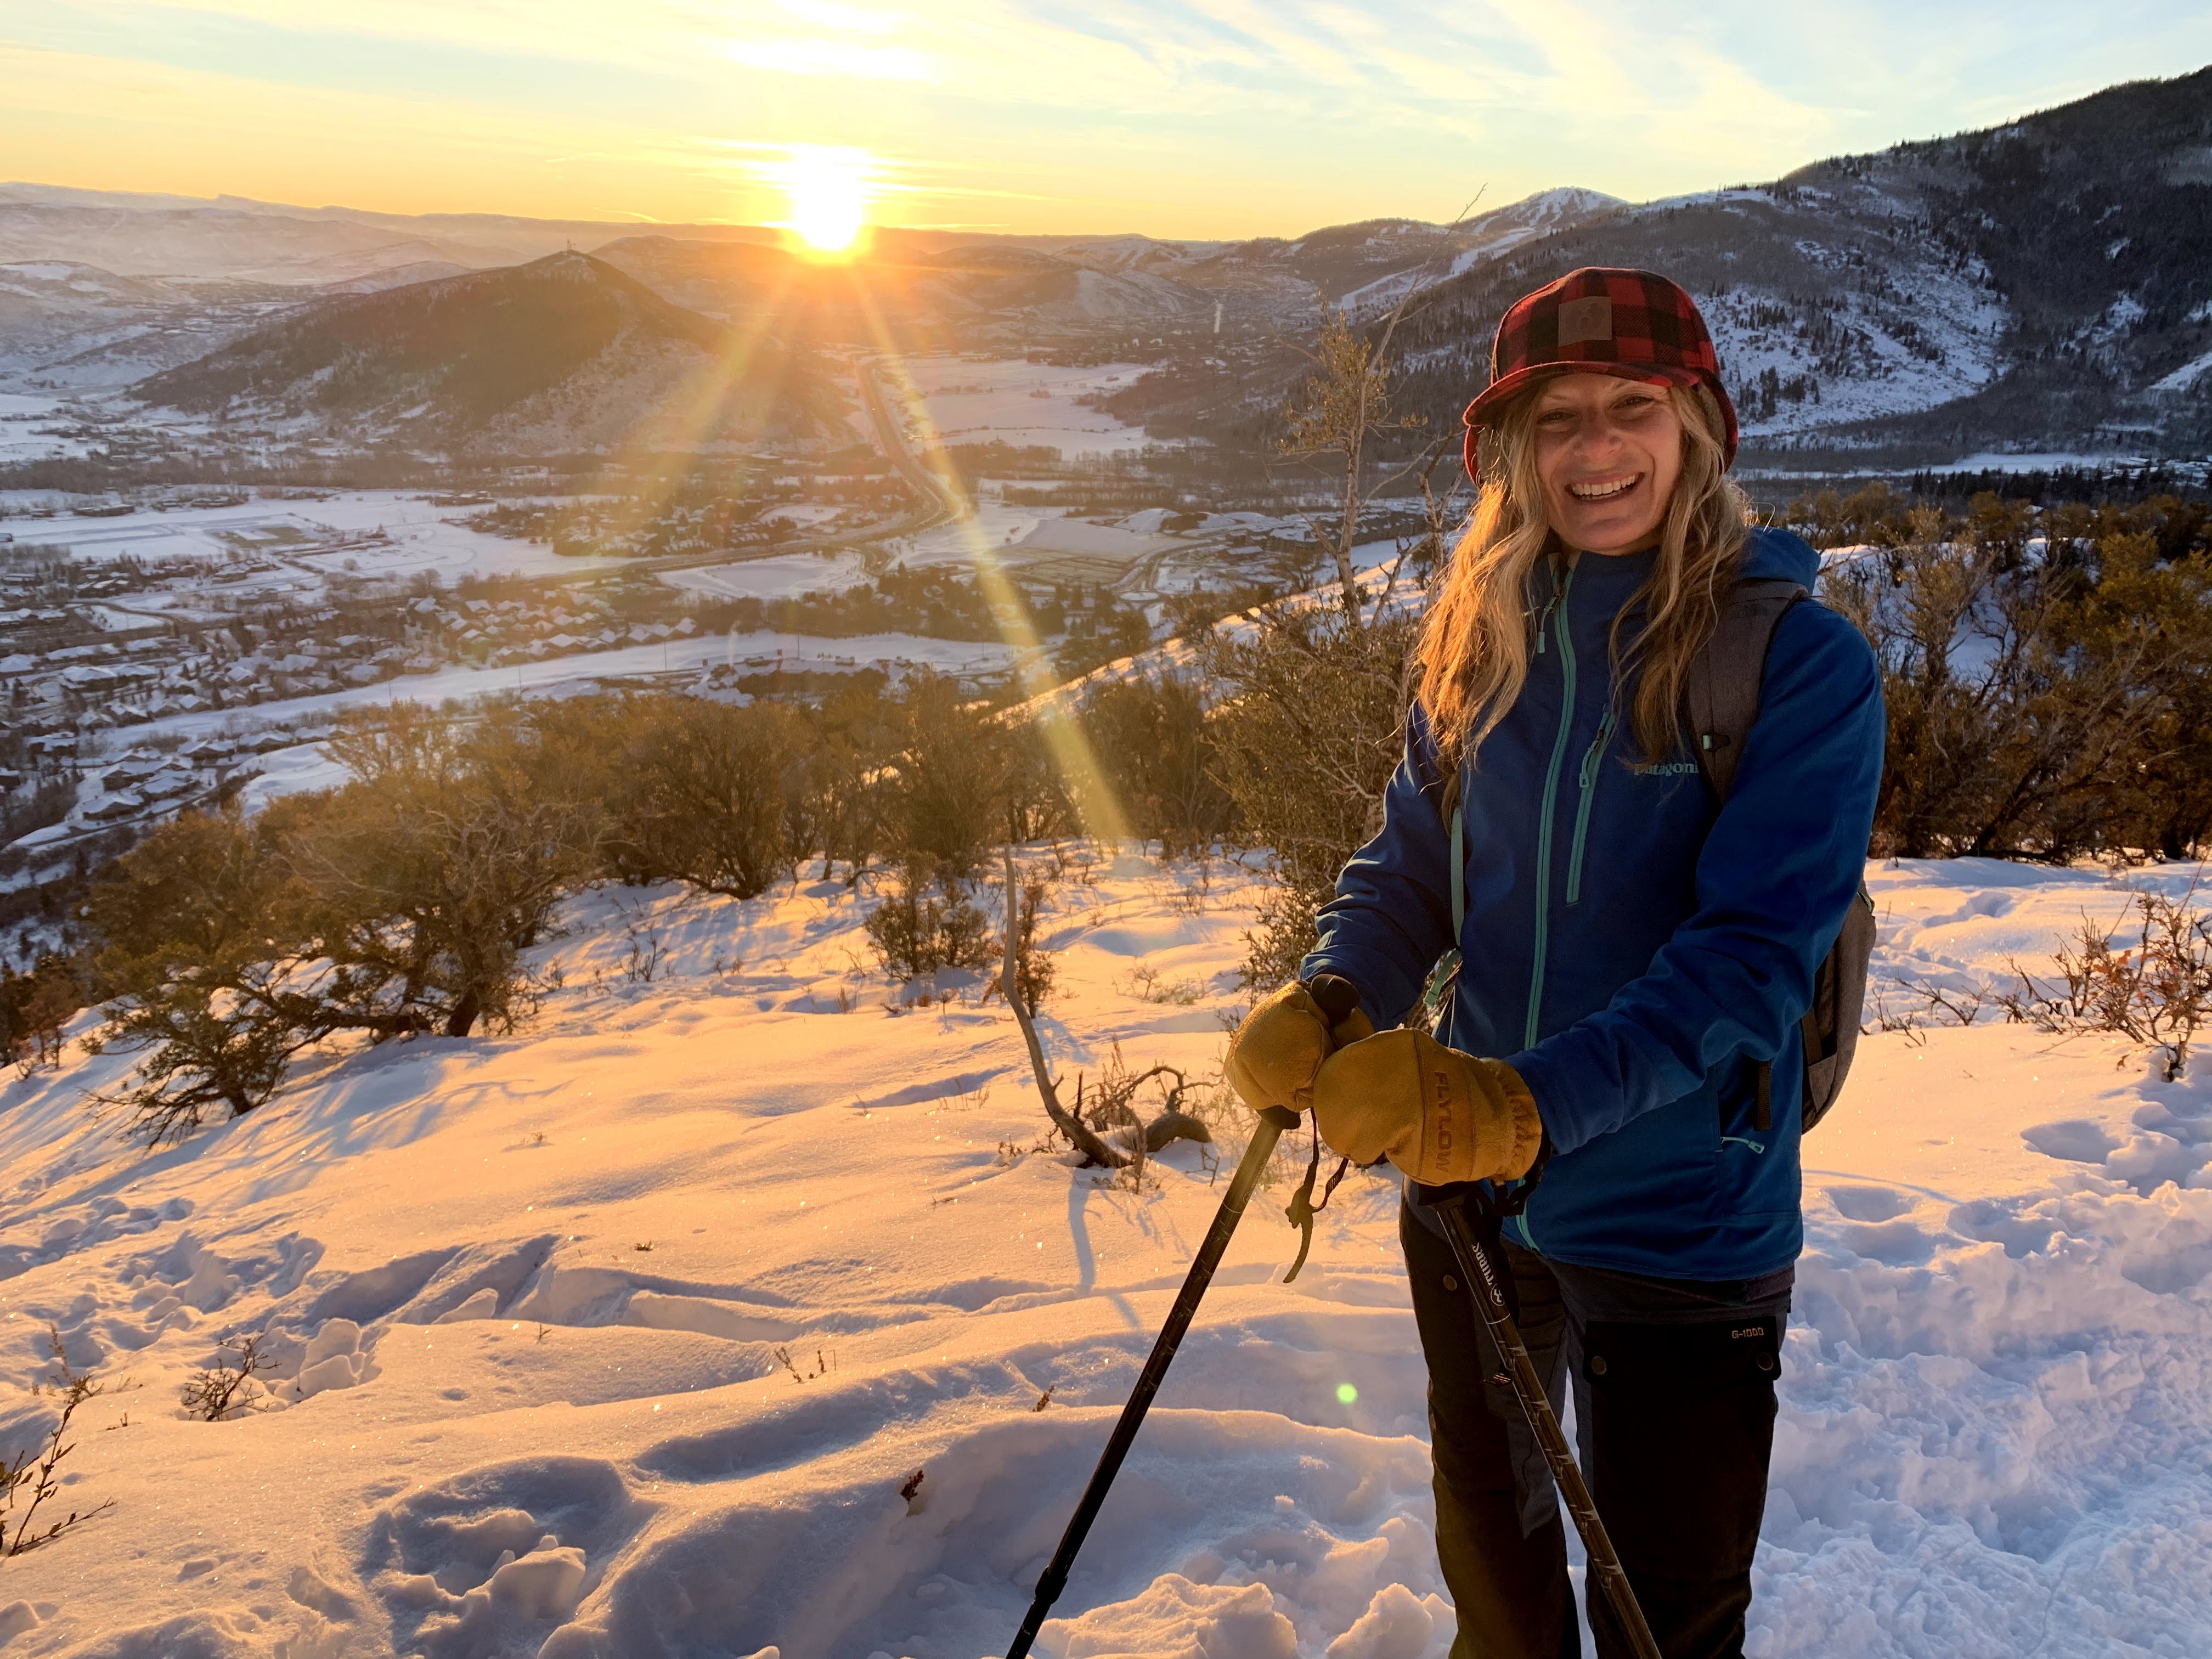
1775 555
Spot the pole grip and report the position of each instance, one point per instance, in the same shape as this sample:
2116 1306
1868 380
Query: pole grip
1265 1134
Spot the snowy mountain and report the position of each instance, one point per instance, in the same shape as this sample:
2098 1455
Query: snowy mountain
931 289
563 353
64 323
235 239
2046 284
2037 285
626 1335
925 298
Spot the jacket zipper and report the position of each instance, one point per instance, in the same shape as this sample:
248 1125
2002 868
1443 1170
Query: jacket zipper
1558 613
1544 617
1591 763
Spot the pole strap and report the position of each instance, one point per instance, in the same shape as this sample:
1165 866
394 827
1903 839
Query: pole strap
1302 1209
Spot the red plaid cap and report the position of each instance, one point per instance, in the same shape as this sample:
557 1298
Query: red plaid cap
1601 320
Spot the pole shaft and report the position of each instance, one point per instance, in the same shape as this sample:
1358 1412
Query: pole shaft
1266 1132
1544 1423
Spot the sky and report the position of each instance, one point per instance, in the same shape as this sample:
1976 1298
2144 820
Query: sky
1213 119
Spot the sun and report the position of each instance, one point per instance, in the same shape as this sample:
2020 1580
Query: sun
829 188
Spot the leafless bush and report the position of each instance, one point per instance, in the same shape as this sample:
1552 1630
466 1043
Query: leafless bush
1909 1005
642 965
1155 757
1034 971
927 921
2039 706
2155 992
1109 1102
1145 984
33 1008
709 793
34 1472
213 1394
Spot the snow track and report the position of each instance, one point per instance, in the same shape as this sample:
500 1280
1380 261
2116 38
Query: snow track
621 1335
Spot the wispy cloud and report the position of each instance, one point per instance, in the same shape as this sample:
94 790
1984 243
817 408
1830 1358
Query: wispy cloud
1187 117
833 57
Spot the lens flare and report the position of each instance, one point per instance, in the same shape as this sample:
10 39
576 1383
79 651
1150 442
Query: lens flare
828 187
1345 1393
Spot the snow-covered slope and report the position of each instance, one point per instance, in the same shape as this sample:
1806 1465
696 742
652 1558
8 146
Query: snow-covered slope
532 1297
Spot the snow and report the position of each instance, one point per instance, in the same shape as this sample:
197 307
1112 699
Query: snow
1994 460
585 671
971 400
2185 378
527 1294
785 576
316 538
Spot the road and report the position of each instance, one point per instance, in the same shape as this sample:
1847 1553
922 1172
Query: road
892 441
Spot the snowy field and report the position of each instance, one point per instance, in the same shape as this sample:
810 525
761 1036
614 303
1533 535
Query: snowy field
532 1298
300 537
588 671
971 401
785 576
24 418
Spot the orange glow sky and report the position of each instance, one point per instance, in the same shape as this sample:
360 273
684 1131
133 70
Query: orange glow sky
1222 118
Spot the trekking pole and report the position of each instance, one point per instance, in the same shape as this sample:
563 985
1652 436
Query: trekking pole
1269 1129
1543 1421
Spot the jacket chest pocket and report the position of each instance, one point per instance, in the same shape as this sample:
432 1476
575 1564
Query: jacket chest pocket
1593 768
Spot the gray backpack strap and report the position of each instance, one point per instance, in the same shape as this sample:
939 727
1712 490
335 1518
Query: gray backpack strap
1428 1013
1723 689
1721 699
1458 873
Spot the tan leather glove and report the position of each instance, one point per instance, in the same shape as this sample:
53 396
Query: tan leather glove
1281 1044
1438 1114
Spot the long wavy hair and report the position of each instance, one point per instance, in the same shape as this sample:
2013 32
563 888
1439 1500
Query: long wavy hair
1475 641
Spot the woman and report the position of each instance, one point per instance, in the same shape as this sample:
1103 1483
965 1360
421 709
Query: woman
1633 951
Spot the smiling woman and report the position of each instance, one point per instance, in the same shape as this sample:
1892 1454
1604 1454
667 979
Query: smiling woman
829 190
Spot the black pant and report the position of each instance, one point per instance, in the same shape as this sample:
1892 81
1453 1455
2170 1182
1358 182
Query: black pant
1674 1416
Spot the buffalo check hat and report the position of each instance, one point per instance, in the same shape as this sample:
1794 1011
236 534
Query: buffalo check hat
1635 325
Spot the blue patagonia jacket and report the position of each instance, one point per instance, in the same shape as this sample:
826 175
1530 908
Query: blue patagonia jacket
1630 949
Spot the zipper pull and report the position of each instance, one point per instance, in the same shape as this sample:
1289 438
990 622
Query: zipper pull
1596 750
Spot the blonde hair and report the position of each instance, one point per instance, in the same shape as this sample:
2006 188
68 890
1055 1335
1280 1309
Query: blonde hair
1475 641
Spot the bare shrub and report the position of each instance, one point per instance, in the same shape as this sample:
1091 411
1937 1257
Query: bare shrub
1145 984
214 1393
198 932
647 954
1108 1103
1306 747
2041 706
927 921
1155 754
2155 992
33 1008
31 1477
440 867
951 775
1034 969
709 795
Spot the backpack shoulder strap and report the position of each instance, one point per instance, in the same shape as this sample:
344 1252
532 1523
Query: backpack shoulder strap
1722 692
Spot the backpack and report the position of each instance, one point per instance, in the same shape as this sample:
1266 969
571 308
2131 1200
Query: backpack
1722 701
